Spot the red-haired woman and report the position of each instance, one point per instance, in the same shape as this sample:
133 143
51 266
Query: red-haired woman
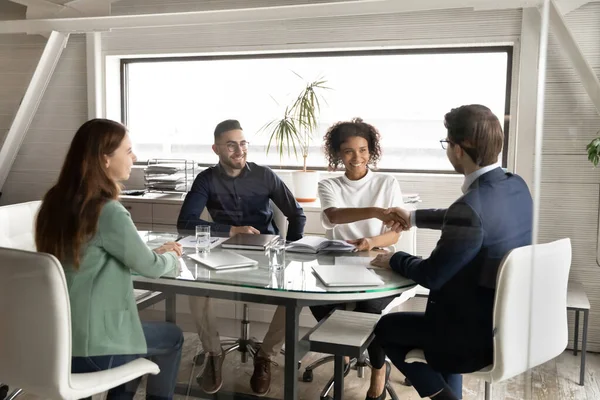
82 223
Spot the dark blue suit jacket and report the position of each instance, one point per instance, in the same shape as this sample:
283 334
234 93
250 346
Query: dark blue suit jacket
493 217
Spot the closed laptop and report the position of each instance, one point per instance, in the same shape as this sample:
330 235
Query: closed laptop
346 275
223 260
249 241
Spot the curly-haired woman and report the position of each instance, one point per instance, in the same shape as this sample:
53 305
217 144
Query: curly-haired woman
353 207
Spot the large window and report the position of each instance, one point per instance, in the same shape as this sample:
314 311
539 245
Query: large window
172 105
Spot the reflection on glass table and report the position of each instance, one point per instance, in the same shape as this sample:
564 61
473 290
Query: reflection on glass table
296 276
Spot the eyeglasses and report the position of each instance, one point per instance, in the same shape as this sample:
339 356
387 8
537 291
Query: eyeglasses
233 146
469 150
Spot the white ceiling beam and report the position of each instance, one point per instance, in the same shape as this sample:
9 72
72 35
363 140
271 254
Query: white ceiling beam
28 107
43 9
508 4
567 6
569 46
40 8
95 75
260 14
531 25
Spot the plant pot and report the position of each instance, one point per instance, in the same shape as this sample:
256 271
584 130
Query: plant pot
305 185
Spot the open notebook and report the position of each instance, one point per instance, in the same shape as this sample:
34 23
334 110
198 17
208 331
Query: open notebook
316 244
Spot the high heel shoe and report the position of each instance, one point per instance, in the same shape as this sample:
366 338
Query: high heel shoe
388 371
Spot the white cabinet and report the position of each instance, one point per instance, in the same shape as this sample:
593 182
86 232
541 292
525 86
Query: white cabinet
165 214
313 223
159 212
141 213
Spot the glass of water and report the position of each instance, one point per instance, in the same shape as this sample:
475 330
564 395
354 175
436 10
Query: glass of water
277 254
202 238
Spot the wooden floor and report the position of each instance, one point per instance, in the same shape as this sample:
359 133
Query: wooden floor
557 379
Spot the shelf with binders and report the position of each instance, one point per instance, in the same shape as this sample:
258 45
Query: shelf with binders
169 175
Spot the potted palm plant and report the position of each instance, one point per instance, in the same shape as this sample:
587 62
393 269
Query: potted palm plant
294 131
593 150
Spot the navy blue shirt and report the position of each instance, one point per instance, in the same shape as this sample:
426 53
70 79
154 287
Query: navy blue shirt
241 201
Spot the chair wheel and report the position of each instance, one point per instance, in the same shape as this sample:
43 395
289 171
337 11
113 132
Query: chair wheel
307 376
407 382
3 391
199 359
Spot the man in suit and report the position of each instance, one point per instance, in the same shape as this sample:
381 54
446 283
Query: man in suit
493 216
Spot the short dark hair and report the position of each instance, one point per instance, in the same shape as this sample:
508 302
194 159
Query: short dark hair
341 131
226 126
477 130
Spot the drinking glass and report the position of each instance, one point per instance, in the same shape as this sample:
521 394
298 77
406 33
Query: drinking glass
202 238
277 254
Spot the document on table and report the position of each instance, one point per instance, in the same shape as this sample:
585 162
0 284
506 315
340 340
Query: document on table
364 261
190 241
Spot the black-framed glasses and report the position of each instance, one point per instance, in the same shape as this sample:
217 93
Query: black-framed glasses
233 146
469 150
444 143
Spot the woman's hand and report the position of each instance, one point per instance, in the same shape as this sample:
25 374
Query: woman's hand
364 244
170 246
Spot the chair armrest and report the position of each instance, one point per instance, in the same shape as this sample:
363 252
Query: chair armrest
88 384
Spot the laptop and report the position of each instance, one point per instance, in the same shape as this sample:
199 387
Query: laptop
219 260
346 275
249 241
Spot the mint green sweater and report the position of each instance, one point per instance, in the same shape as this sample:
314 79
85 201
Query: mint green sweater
104 316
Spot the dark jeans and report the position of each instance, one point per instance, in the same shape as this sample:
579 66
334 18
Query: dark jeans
399 333
374 306
164 341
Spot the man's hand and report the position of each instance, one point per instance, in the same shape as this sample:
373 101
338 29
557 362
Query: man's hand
243 229
364 244
170 246
398 219
382 260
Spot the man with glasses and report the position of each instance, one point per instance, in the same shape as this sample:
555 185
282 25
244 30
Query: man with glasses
237 195
493 216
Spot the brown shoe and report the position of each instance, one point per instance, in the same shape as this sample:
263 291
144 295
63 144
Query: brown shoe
211 380
261 378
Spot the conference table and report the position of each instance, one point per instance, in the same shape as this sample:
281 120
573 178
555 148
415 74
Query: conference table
294 287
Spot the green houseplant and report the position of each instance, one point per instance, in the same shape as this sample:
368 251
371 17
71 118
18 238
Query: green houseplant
593 150
293 133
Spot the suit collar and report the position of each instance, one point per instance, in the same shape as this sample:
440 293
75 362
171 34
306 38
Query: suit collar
486 174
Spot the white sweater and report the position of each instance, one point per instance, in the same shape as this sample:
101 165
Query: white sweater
373 190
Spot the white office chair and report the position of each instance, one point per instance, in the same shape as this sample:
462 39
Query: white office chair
17 224
407 243
35 350
530 311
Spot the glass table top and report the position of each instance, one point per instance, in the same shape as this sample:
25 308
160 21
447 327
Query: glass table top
296 276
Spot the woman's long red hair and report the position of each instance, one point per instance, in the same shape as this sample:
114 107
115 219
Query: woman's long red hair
69 214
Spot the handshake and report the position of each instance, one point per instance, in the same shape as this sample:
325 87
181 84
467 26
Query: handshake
395 218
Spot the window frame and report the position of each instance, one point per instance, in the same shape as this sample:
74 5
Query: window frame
503 48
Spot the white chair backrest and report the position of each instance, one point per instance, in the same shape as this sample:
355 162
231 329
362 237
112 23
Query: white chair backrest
530 310
35 339
17 225
280 219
